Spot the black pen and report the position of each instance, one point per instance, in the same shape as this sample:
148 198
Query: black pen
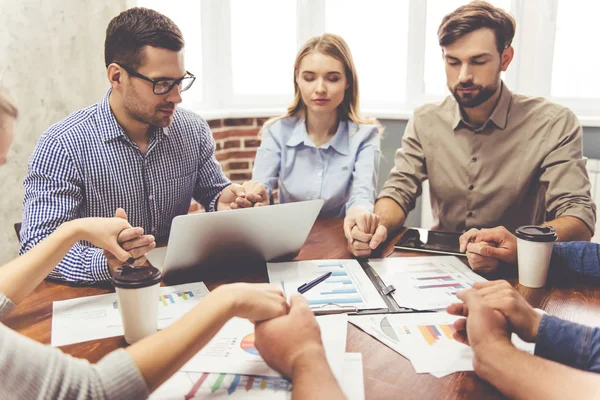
307 286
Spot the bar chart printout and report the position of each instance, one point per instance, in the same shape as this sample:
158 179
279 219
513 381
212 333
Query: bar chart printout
223 386
348 285
426 283
337 289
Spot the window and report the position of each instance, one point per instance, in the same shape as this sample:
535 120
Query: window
263 48
243 51
377 33
576 61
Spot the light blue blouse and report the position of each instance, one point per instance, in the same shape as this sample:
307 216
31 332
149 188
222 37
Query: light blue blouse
343 171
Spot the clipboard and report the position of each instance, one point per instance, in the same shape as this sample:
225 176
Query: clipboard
385 291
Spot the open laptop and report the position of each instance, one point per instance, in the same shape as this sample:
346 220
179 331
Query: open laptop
267 232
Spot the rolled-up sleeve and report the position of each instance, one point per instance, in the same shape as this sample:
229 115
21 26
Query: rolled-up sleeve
53 196
268 161
404 184
211 179
568 343
366 172
564 173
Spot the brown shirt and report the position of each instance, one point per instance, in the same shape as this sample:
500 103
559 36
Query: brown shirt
523 166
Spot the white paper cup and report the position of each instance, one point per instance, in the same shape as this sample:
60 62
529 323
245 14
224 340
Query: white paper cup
534 250
138 290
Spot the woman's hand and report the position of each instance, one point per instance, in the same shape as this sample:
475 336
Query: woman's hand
254 301
103 233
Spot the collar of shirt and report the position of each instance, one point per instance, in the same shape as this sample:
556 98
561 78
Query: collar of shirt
499 115
109 127
340 141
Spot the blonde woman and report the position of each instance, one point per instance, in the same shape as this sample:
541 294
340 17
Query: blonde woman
322 148
31 370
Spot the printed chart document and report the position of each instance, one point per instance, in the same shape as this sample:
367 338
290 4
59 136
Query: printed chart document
425 339
232 350
97 317
198 385
348 285
425 283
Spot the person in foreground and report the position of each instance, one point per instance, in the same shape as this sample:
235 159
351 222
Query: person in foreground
32 370
322 148
499 244
567 355
492 158
29 369
292 345
133 150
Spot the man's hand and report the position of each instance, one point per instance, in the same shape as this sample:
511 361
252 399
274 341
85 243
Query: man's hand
363 232
486 247
502 296
249 194
133 241
483 326
285 341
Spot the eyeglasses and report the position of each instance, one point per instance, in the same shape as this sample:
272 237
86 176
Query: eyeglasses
163 86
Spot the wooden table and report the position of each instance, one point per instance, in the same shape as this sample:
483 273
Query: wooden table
387 374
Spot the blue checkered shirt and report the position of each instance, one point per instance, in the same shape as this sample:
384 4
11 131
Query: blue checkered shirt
86 166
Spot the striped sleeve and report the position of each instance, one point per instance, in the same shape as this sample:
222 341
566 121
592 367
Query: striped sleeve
53 195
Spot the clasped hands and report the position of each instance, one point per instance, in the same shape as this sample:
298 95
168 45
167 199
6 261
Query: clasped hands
493 310
363 231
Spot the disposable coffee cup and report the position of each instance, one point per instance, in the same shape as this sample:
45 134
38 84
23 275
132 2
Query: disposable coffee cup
138 290
534 249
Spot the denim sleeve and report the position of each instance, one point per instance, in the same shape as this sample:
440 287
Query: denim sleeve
568 343
581 257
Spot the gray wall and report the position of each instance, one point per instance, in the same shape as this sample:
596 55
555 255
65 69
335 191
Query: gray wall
52 62
392 139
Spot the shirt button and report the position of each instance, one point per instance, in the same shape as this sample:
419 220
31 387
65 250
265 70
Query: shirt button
469 214
474 159
151 197
471 187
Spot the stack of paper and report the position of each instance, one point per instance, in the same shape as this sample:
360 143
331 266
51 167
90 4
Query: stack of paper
192 385
425 283
229 365
348 285
425 339
97 317
232 349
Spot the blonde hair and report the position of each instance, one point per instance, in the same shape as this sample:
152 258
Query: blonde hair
334 46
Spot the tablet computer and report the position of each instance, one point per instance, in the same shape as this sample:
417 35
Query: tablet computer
417 239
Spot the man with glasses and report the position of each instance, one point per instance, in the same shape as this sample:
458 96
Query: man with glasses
133 150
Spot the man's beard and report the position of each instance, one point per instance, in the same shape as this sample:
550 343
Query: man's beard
136 111
470 100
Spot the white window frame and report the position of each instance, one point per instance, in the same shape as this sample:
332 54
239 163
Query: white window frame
530 72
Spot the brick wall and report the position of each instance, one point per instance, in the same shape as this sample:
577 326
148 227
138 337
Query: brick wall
237 142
